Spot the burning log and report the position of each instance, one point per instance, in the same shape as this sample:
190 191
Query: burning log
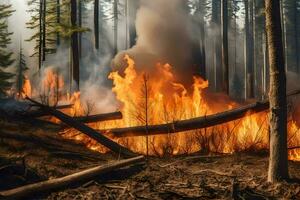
113 146
83 119
41 113
59 183
99 117
195 123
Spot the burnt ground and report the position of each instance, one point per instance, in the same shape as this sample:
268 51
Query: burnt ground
29 154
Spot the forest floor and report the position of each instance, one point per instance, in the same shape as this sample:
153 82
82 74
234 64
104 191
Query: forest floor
40 153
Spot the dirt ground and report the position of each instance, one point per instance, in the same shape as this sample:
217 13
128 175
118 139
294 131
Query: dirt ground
29 154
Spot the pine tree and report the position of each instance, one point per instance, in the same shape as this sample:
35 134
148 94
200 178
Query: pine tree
44 22
278 161
20 72
6 59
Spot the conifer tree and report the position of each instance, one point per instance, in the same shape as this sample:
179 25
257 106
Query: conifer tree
20 72
6 59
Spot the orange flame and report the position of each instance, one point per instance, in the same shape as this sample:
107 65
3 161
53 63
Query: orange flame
157 98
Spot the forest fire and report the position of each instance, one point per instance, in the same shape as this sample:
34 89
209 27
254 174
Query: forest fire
158 99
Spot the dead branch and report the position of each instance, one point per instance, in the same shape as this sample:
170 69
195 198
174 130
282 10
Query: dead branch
99 117
62 182
41 113
113 146
195 123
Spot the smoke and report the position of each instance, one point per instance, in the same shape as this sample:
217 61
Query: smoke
164 34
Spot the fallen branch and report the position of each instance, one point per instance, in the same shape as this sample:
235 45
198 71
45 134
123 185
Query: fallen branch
41 113
99 117
293 148
214 172
195 123
59 183
113 146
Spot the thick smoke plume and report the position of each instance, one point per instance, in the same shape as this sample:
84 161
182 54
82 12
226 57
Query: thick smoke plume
164 35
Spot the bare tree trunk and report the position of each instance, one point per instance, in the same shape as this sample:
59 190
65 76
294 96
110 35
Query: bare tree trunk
74 44
225 63
80 25
248 49
41 32
132 9
44 29
278 162
96 23
116 19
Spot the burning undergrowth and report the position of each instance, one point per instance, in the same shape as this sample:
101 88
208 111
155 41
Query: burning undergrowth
151 92
146 99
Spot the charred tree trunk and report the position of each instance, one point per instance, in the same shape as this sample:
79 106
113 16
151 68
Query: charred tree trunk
96 23
216 23
225 64
44 29
40 34
116 20
132 9
202 7
278 163
74 44
296 35
80 25
248 51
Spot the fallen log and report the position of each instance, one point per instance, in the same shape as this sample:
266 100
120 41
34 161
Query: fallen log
99 117
59 183
41 113
113 146
195 123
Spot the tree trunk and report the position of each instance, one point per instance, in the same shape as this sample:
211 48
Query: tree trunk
216 23
75 45
59 183
248 50
278 162
296 24
132 9
116 20
40 36
225 63
44 29
80 25
96 23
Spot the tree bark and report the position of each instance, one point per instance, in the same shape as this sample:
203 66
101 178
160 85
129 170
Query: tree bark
225 64
99 117
59 183
116 20
80 25
40 34
44 29
278 162
75 45
249 49
96 23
